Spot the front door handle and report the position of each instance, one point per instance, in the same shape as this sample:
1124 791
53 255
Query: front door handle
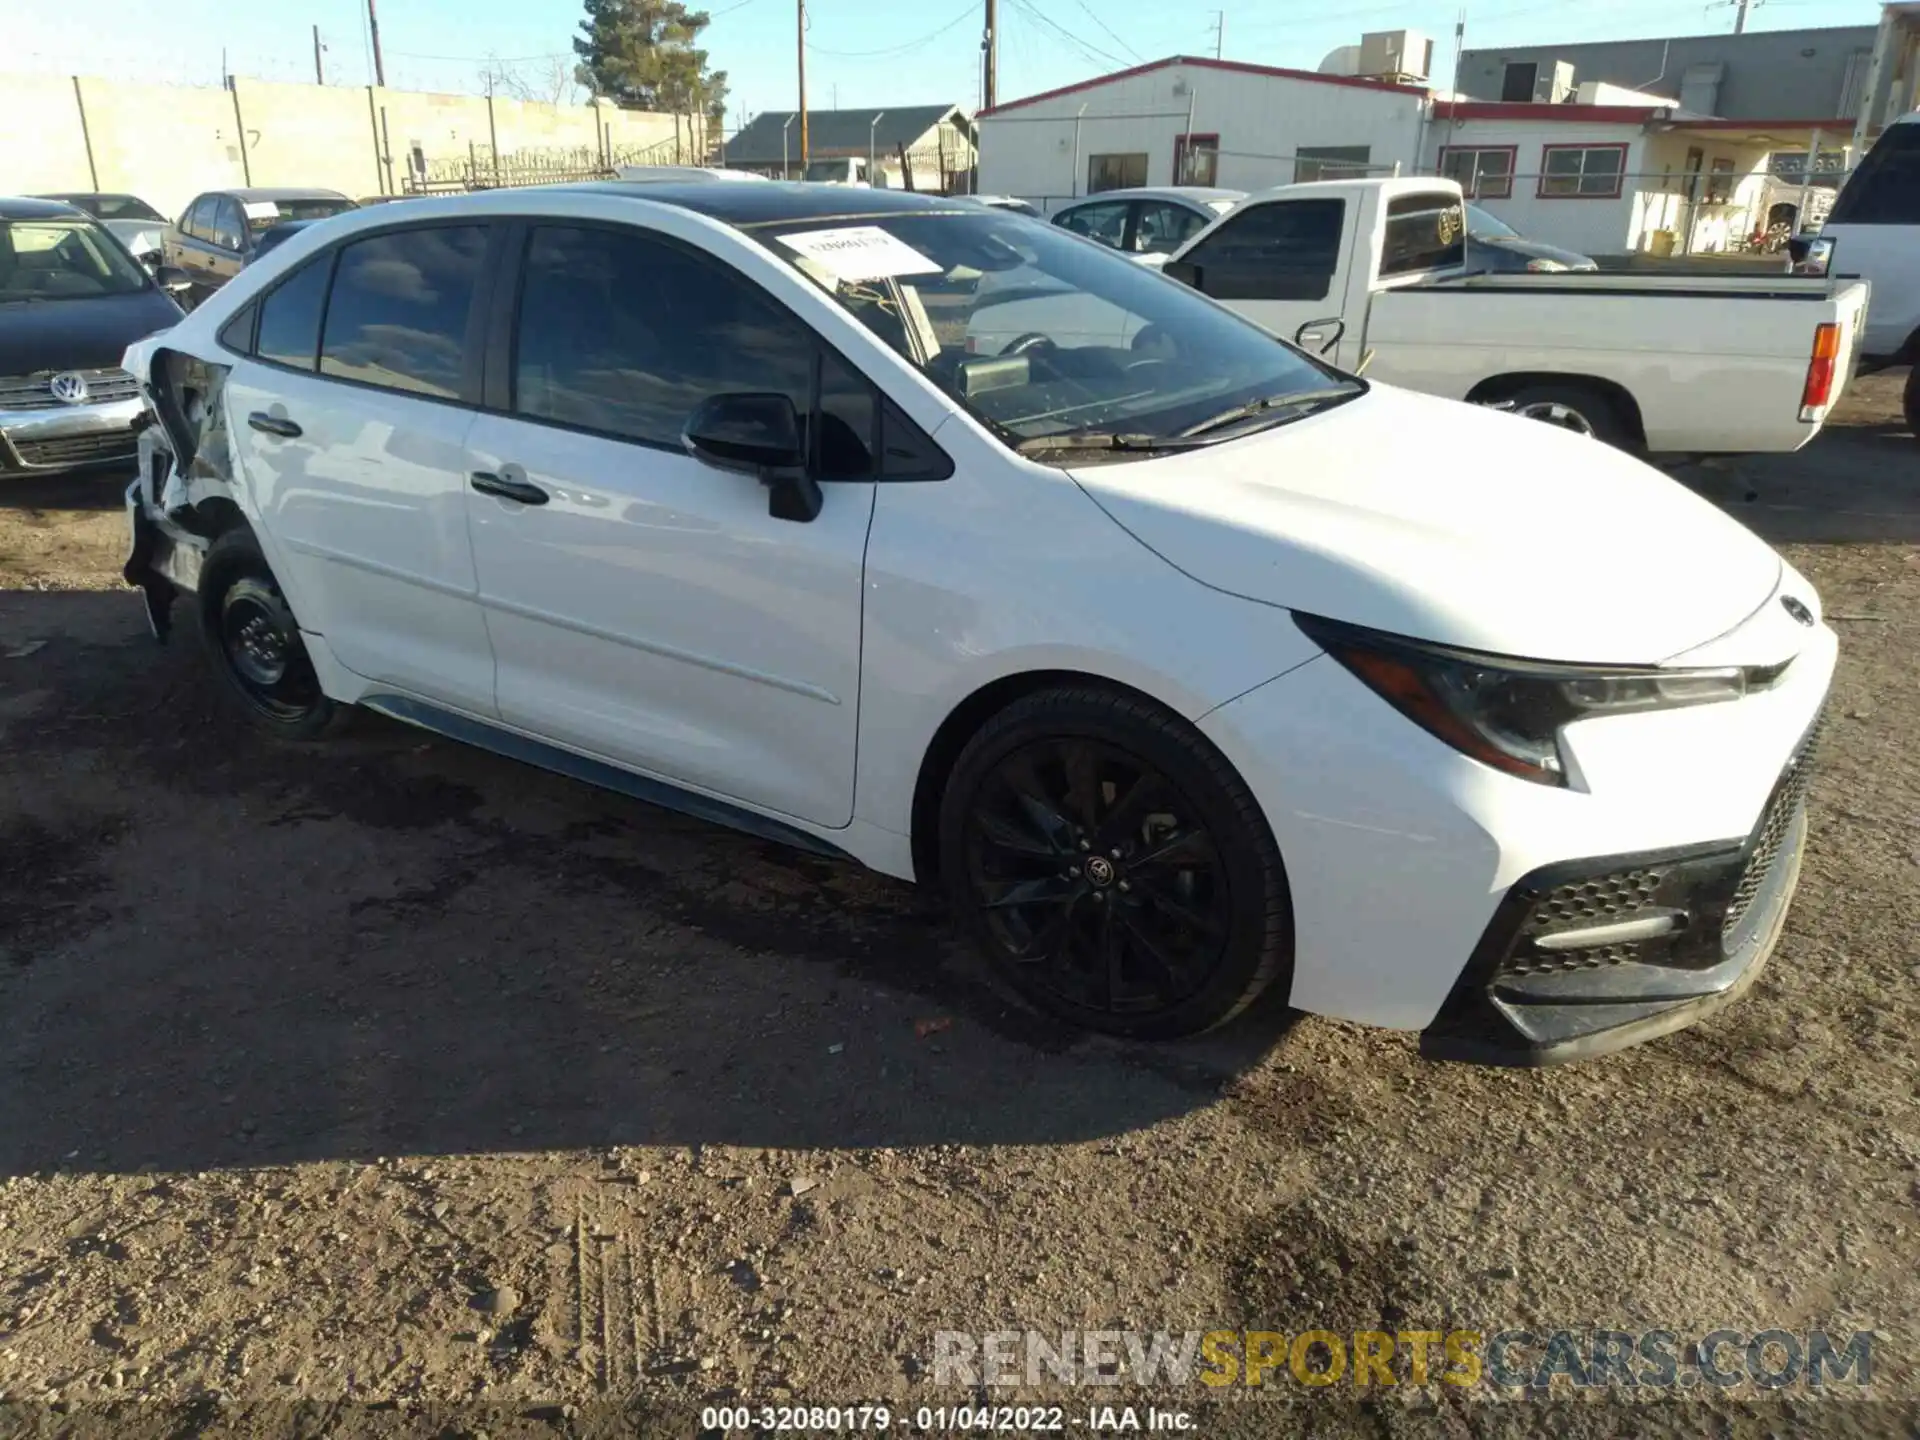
508 488
1320 336
273 425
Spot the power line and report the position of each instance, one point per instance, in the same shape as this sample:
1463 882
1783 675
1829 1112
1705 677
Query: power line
1109 29
1086 47
899 49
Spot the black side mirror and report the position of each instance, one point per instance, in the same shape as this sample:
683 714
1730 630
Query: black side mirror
1186 273
172 279
757 434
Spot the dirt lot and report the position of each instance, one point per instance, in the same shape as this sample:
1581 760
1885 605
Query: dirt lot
395 1072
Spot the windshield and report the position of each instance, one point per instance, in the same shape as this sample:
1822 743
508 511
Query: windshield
1483 225
63 260
114 207
1044 336
263 215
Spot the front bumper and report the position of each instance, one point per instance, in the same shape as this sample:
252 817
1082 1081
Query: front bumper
67 437
1591 956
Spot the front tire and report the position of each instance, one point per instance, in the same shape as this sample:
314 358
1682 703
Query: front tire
1113 867
1577 408
254 644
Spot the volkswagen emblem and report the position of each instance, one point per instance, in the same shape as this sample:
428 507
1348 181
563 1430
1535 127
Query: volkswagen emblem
1099 872
69 387
1796 609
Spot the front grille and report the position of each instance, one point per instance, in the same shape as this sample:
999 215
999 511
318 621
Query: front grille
1774 826
35 392
76 449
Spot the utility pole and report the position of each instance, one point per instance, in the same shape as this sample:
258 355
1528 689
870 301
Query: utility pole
990 57
379 65
1219 33
803 88
319 75
1740 16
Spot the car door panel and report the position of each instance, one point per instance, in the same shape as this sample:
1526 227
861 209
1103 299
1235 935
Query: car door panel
1281 264
363 483
652 612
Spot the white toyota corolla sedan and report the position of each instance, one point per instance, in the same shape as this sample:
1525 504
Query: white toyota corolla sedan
1188 667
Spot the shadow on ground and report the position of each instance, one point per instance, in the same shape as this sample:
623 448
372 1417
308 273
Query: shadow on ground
88 490
218 951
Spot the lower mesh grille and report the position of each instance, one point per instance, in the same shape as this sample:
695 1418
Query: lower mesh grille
1595 902
1598 957
1774 827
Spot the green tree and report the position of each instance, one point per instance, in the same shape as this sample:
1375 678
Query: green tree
641 54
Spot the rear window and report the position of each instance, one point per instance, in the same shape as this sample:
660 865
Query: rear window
1886 188
1424 232
263 215
398 314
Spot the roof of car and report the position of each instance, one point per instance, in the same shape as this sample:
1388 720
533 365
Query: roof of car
1197 195
21 208
777 201
278 193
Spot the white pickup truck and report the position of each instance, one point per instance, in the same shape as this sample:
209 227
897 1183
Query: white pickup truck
1371 274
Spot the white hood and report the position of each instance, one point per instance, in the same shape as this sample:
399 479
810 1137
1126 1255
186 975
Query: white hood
1450 523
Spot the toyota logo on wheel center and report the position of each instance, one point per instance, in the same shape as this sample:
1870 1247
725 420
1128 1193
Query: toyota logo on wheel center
1099 871
69 388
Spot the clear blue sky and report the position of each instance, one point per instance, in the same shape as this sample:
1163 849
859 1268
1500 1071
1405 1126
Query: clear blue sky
860 52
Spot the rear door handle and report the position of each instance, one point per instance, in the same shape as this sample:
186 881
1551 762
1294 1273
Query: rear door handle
273 425
508 488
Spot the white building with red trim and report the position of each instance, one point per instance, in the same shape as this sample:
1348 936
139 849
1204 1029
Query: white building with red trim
1632 172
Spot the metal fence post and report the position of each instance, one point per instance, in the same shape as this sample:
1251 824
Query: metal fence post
86 136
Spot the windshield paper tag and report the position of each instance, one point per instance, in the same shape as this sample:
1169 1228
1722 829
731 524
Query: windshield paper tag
861 252
260 209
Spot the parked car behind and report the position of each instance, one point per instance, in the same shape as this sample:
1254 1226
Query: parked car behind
1147 221
1495 246
1005 202
71 301
133 222
1874 232
1189 667
217 233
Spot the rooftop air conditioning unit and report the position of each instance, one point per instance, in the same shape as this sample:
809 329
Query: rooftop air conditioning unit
1554 83
1396 55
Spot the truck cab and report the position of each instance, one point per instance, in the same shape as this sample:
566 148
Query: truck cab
1375 275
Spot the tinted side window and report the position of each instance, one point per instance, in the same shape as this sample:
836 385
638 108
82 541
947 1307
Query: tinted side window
290 316
400 307
1285 250
199 221
237 333
1105 223
625 334
228 227
1424 232
1886 188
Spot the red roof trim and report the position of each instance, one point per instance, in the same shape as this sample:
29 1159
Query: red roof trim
1239 67
1571 114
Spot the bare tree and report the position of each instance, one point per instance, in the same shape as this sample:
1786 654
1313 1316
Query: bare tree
547 81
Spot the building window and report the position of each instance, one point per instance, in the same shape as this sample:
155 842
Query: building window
1720 183
1485 174
1517 83
1115 172
1330 162
1582 172
1196 160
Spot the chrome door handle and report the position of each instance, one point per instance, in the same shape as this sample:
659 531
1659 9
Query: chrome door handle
508 488
273 425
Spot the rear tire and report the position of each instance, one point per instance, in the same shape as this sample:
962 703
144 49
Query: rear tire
1578 408
1112 866
254 644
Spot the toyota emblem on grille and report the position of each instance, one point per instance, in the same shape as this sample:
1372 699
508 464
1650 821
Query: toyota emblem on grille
1796 609
69 388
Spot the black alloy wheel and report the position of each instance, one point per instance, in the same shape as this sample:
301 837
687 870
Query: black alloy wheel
1114 869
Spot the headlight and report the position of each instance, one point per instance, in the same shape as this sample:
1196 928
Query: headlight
1509 713
1545 267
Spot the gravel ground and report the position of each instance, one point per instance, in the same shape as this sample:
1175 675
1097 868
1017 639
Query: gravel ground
392 1084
